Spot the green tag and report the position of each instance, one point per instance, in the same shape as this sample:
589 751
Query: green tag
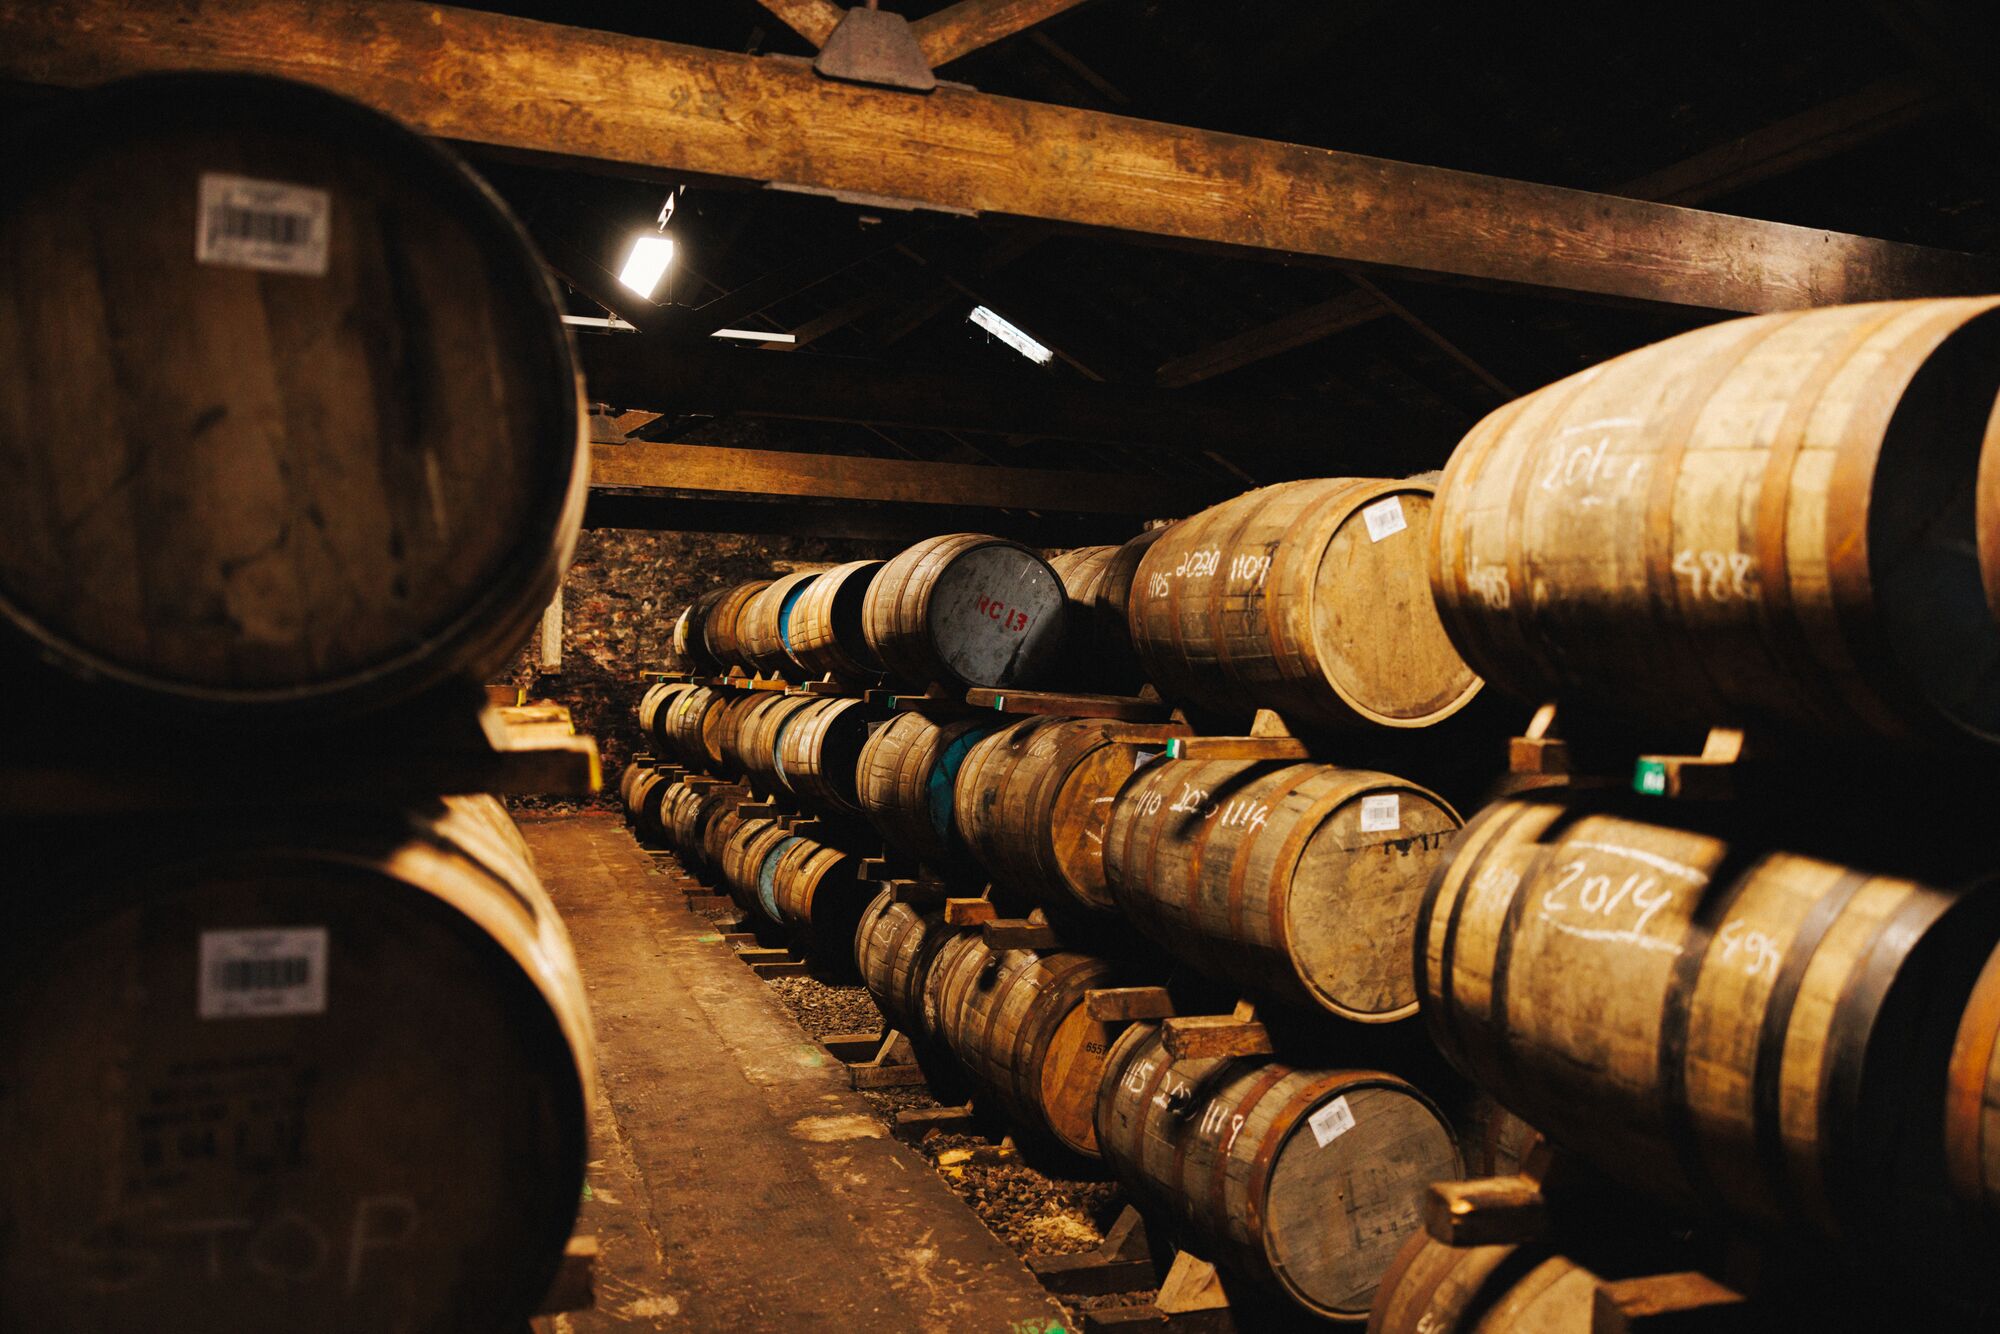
1173 748
1650 777
999 703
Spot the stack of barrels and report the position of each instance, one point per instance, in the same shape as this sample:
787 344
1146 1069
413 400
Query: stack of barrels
298 442
1778 1012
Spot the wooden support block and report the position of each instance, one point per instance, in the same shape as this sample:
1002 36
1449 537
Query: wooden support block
1120 1319
969 912
849 1048
1018 933
873 868
924 894
704 898
1709 776
1237 748
750 810
769 683
1207 1037
739 938
575 1286
1190 1285
885 1076
1125 708
1124 1263
1110 1005
760 955
1486 1211
1682 1303
913 1123
805 825
786 968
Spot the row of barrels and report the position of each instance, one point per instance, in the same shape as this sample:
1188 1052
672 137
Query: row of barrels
1311 598
806 748
1304 1180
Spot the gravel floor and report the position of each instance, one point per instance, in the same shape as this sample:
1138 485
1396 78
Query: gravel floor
823 1009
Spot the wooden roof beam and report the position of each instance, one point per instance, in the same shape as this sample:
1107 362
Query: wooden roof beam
813 20
573 93
960 29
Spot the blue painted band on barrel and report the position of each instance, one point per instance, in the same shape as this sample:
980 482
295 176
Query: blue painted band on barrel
767 878
943 777
791 600
778 746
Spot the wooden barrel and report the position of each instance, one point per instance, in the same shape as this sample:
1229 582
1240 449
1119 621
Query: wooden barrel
1305 1180
1033 801
742 862
1015 1020
723 633
1721 1026
819 753
894 948
714 827
761 626
966 609
1432 1288
1764 521
765 735
691 631
643 803
1988 522
736 732
693 728
1972 1097
819 894
1299 883
655 706
905 778
824 634
1097 584
208 1038
689 822
298 433
1310 598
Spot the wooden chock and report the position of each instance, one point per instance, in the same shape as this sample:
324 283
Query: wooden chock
969 912
1671 1303
1017 933
1210 1037
1111 1005
1485 1211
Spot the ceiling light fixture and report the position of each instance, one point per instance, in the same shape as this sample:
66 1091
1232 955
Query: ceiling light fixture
651 253
1011 336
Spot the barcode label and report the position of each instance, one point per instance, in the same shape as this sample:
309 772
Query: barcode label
1380 814
1384 517
1332 1121
244 223
257 973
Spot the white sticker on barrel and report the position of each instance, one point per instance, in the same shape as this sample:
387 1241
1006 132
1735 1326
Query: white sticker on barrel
1381 813
1332 1121
1384 518
244 223
262 972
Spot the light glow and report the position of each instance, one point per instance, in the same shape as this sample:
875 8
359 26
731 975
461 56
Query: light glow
1011 336
755 336
647 263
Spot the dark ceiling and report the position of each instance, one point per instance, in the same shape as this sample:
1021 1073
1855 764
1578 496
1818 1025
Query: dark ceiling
1885 124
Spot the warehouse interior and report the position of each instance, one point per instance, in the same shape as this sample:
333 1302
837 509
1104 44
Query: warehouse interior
1015 665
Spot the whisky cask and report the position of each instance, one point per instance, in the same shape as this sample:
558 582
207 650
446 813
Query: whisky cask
1032 802
644 801
1307 1181
1311 598
761 626
693 728
763 732
1097 584
715 824
905 780
965 610
291 427
691 631
210 1041
1300 883
1433 1288
1972 1097
819 754
817 892
723 632
655 707
1988 523
894 947
1767 521
689 820
1717 1024
742 864
824 633
1015 1020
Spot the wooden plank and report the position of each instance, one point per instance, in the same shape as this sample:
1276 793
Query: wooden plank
1204 1037
1015 933
1485 1211
969 912
1123 708
1110 1005
1237 748
960 29
570 93
813 20
770 472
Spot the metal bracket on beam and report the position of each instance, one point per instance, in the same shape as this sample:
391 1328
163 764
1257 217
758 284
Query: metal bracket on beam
876 47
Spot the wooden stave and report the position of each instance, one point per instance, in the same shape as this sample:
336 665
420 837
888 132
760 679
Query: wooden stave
743 859
1809 652
820 896
1230 1213
802 765
1014 791
893 778
1228 938
655 706
462 861
812 635
691 632
895 946
713 831
1832 1179
649 792
761 627
973 989
1972 1097
689 728
1986 489
1265 653
485 631
1097 581
722 634
1499 1289
897 614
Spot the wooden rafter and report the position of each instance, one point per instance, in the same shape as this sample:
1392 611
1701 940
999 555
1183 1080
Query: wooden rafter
763 472
960 29
572 93
813 20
